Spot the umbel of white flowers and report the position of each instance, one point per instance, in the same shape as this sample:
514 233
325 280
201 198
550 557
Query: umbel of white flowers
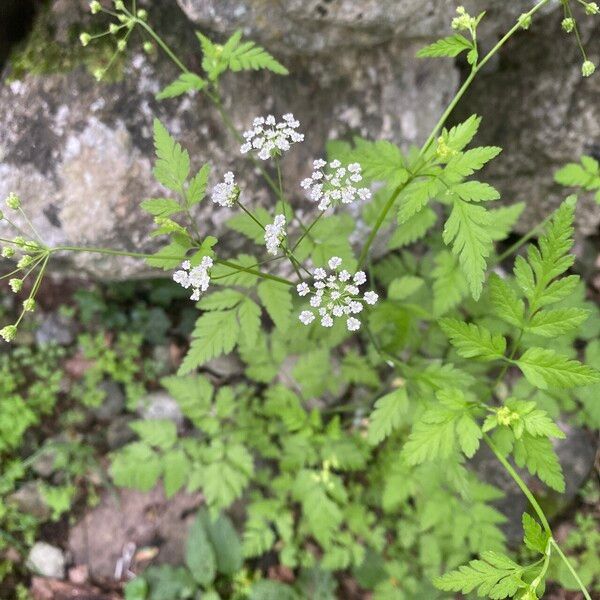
197 278
227 192
335 185
270 138
275 234
334 295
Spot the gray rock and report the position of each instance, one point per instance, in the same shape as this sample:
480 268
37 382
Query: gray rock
47 560
226 366
118 433
113 403
80 153
159 405
28 499
55 328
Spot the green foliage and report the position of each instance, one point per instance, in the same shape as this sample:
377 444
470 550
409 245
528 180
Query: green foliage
585 174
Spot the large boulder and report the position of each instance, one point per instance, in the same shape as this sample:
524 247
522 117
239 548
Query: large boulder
80 153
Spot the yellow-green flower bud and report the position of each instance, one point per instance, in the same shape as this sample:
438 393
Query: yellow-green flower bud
95 7
119 5
13 201
142 14
25 261
506 416
148 47
568 24
8 333
7 252
591 8
588 68
525 21
85 39
15 285
29 305
121 45
98 74
113 28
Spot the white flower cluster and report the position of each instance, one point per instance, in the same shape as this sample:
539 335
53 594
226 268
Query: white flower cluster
274 234
271 138
335 295
197 278
227 192
336 186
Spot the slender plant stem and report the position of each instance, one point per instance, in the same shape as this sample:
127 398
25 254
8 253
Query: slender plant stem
522 485
227 263
307 230
567 562
162 44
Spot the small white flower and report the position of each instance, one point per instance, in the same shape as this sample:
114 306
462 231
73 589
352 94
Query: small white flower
227 192
270 138
336 185
307 317
302 289
275 234
197 278
331 297
353 324
334 262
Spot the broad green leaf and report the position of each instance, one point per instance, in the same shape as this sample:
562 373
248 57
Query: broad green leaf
412 229
250 56
552 323
387 415
494 576
380 160
199 554
505 303
215 333
545 369
193 394
161 207
160 433
461 135
197 186
176 467
539 457
186 82
467 229
172 162
450 46
534 537
136 466
473 341
225 543
475 191
585 174
466 163
415 196
277 300
450 285
404 286
171 255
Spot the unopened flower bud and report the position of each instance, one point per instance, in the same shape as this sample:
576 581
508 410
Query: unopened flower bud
119 5
142 14
591 8
19 241
525 21
85 39
95 7
25 261
13 201
7 252
98 74
148 47
568 24
588 68
121 45
8 333
29 305
113 28
15 285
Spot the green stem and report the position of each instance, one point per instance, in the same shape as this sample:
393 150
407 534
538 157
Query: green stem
307 230
252 271
582 587
162 44
522 485
442 121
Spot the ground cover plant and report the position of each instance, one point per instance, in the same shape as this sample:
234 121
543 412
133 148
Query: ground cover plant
371 380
